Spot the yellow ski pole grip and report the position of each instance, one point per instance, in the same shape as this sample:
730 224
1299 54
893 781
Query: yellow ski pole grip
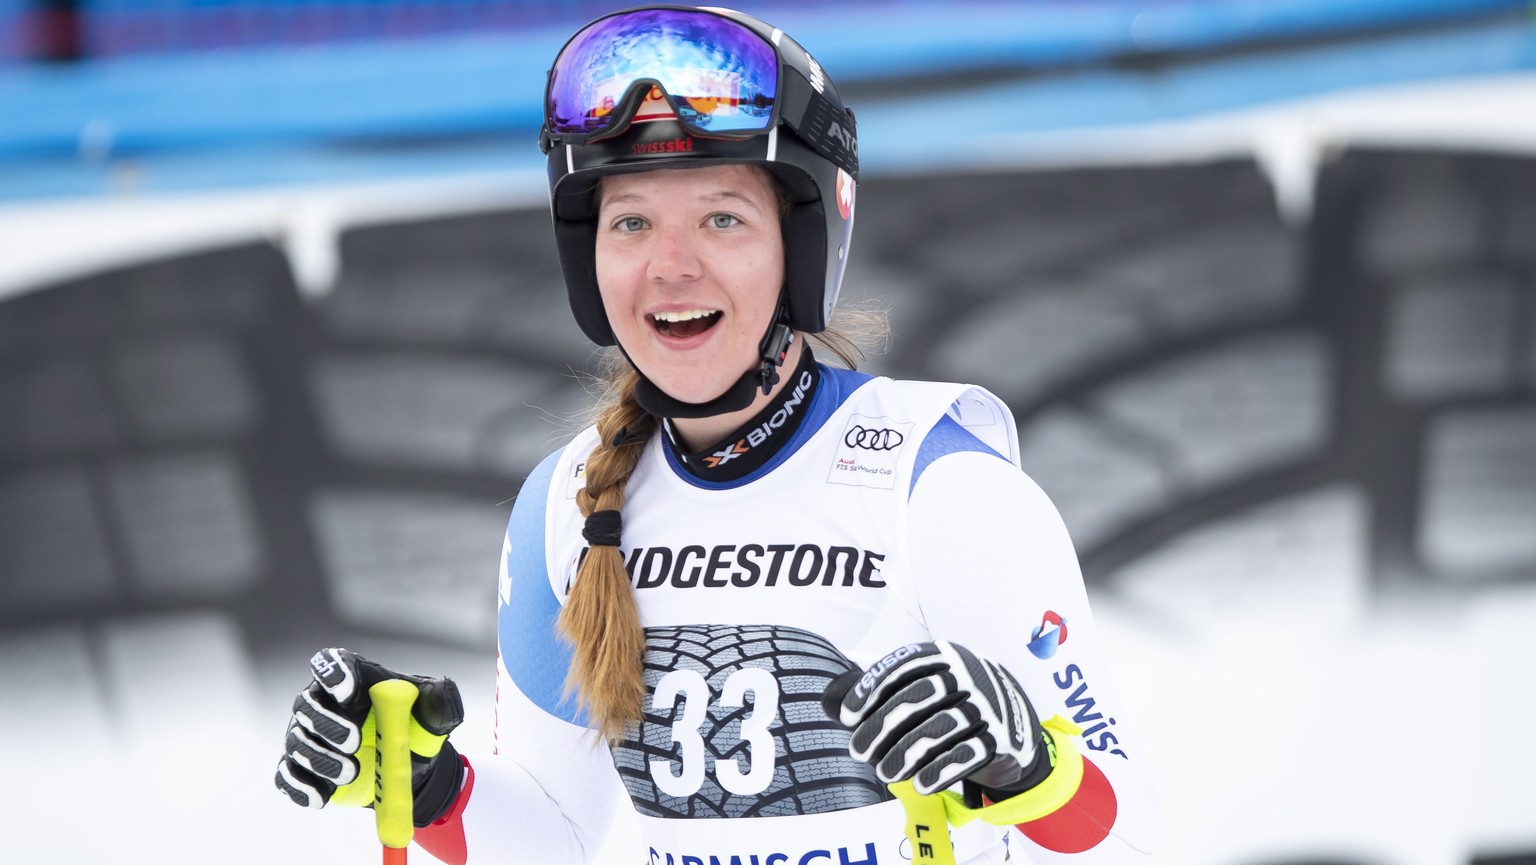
927 825
392 701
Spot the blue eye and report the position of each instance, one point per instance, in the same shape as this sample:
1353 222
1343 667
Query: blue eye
723 220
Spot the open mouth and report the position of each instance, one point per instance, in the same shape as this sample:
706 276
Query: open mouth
685 323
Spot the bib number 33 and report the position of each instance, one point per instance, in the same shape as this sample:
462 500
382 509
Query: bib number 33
688 741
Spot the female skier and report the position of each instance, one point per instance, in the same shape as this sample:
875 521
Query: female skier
806 616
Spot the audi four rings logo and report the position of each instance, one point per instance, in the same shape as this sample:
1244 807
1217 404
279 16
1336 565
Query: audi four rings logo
873 439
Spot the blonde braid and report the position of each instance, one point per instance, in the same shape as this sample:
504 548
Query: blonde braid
601 618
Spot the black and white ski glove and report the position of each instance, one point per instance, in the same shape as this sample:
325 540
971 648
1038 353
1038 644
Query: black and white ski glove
332 728
936 713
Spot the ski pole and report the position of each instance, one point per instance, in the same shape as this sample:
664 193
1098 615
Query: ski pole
392 701
927 825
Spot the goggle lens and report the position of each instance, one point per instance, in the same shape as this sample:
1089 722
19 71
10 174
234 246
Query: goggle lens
719 76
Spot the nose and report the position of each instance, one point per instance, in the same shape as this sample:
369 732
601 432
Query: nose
673 256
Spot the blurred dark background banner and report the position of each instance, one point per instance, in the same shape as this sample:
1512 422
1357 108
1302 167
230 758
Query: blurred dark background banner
281 331
1174 353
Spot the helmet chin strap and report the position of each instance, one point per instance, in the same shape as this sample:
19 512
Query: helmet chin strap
771 352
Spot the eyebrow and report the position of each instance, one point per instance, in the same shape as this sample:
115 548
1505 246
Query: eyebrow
708 198
725 194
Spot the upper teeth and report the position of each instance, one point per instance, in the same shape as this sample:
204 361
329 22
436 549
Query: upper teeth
683 315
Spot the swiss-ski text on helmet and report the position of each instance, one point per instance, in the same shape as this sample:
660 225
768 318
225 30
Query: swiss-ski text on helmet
671 145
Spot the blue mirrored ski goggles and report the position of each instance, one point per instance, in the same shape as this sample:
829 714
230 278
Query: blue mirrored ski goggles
717 76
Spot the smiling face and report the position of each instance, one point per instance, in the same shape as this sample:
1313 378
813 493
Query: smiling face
690 263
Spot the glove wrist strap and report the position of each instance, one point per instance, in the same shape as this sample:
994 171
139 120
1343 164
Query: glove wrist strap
1044 798
926 815
1028 777
439 787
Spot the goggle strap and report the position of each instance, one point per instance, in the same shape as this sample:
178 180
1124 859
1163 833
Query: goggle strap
619 122
829 131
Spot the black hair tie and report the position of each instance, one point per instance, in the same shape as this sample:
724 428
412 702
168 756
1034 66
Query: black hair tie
602 528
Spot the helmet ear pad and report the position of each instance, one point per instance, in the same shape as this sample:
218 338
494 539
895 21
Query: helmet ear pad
576 244
805 276
816 236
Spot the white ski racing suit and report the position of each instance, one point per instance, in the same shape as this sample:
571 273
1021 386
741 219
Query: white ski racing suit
894 513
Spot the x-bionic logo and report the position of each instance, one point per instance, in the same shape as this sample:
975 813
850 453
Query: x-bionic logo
765 430
725 456
873 439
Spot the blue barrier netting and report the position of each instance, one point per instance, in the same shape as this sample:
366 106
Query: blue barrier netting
60 122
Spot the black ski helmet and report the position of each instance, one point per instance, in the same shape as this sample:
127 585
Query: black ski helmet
678 86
